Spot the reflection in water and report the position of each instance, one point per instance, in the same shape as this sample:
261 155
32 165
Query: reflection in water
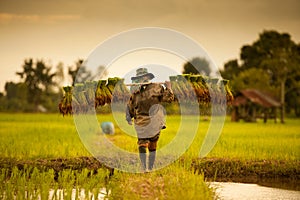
78 194
233 191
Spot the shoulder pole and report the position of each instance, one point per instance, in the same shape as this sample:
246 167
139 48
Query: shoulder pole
146 83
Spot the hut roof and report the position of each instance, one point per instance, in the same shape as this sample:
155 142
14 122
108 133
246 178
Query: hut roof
257 97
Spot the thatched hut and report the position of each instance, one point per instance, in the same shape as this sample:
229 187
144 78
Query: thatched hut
250 104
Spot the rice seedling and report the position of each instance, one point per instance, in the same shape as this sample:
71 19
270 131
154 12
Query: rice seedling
33 183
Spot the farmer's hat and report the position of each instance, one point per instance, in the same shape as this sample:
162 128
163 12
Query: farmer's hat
142 72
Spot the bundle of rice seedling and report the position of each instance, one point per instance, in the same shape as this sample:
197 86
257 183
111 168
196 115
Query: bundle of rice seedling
198 87
121 93
80 103
204 96
100 96
184 87
65 106
229 95
108 94
176 89
90 88
91 94
214 90
194 83
111 83
217 97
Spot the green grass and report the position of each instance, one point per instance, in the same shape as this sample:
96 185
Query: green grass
51 135
39 136
43 136
259 141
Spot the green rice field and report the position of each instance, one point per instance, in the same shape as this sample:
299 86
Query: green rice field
243 149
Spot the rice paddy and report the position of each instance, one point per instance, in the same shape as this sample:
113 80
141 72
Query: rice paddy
243 149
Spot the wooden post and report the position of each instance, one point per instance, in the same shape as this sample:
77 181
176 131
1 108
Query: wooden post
282 100
275 114
265 115
234 114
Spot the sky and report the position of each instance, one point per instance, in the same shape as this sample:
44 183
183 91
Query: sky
68 30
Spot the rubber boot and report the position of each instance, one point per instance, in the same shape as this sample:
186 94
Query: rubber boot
142 152
152 155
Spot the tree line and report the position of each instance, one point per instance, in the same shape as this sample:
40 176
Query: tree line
39 88
271 64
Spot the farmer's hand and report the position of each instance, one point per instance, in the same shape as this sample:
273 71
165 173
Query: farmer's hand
168 84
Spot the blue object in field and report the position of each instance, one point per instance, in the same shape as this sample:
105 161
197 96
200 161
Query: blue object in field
108 127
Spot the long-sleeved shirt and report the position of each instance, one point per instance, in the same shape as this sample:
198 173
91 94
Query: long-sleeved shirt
146 109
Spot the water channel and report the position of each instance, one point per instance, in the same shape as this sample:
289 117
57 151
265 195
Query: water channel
237 191
224 191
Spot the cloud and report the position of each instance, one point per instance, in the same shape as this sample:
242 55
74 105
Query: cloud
8 18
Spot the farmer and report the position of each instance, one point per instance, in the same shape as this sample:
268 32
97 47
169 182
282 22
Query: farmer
144 107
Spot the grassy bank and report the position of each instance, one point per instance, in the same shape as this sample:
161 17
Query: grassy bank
50 144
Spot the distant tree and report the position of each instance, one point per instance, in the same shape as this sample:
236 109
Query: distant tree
44 76
38 79
3 102
277 55
101 72
15 90
16 97
79 72
60 75
293 87
197 66
253 78
231 69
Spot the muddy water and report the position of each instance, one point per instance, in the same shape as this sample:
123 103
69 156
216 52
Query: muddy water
237 191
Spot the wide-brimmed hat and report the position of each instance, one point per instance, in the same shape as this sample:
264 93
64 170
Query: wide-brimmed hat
142 72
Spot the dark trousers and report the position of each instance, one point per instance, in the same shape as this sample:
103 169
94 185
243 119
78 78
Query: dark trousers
151 145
